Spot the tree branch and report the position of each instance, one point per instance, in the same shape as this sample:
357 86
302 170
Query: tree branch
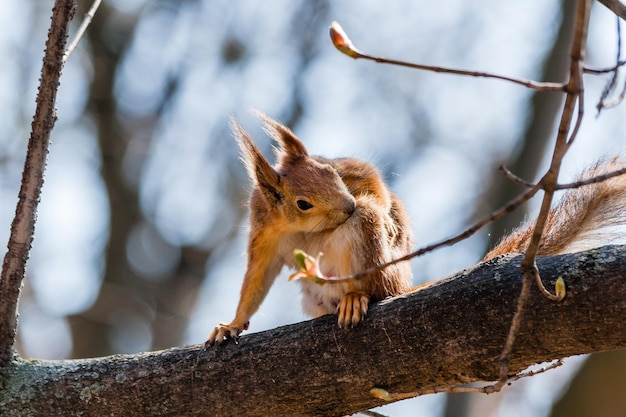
342 42
81 30
23 226
616 6
447 334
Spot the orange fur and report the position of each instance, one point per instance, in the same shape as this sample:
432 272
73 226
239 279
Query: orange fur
340 207
586 217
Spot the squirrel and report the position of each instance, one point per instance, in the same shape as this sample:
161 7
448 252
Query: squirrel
340 207
343 208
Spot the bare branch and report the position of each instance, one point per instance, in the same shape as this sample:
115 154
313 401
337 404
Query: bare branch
598 71
573 96
604 102
487 389
507 173
23 225
535 85
81 30
370 413
615 100
579 117
592 180
344 44
616 6
575 184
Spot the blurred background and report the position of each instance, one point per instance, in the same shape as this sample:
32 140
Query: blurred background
141 232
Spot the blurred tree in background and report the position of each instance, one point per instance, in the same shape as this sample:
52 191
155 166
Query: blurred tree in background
142 223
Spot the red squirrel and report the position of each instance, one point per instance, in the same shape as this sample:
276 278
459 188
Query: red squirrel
343 208
340 207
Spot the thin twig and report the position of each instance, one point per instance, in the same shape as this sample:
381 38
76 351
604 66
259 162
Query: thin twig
487 389
23 225
575 184
542 288
616 100
574 92
616 6
604 102
507 173
599 71
593 180
81 29
553 365
505 356
579 117
370 413
343 43
535 85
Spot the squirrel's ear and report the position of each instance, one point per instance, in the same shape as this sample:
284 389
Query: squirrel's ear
259 170
290 148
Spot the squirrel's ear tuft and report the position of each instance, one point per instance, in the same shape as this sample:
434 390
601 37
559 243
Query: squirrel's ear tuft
290 147
259 170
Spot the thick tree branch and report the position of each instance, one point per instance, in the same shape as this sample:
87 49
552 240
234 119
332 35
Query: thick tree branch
23 226
446 334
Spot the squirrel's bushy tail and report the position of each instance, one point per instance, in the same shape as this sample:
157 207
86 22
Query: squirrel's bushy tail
586 217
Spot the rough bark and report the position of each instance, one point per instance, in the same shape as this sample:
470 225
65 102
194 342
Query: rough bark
449 333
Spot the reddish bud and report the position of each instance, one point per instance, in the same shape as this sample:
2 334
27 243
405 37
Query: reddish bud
342 42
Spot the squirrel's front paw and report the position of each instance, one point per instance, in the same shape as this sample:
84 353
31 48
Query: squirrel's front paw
225 331
352 308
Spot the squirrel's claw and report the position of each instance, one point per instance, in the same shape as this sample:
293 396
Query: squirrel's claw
224 331
352 308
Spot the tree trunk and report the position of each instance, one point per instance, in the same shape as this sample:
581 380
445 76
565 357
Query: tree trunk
449 333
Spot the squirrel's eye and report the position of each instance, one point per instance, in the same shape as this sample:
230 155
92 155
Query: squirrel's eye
304 205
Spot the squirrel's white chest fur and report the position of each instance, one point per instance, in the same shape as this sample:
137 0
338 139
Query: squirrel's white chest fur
336 246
